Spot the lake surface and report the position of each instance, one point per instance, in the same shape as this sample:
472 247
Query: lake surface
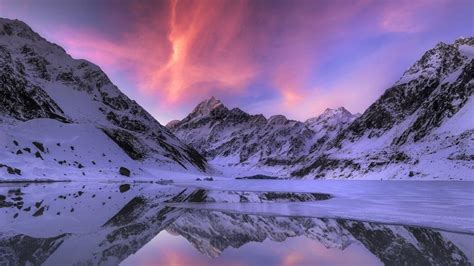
189 224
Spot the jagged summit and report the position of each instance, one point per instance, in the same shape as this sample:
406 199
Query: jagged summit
439 61
15 27
338 115
172 123
277 119
238 137
464 41
205 107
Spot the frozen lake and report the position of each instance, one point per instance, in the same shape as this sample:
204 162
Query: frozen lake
237 222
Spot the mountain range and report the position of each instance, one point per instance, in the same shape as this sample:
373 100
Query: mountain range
63 118
421 127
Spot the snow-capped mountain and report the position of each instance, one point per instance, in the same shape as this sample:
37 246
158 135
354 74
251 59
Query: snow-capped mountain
233 138
63 117
421 127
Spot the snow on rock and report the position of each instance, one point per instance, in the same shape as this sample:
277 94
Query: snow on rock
238 143
420 128
78 106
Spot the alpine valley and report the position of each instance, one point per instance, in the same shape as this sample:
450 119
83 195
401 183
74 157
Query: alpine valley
420 128
89 177
62 118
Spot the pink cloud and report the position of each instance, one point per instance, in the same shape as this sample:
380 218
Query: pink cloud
202 46
407 16
182 51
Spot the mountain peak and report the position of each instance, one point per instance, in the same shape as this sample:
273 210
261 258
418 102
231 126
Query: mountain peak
337 114
339 110
205 107
172 123
439 61
19 28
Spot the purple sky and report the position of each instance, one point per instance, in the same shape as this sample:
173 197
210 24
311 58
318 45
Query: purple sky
295 58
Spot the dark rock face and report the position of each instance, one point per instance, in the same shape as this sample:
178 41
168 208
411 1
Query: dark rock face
19 98
452 97
392 249
128 142
124 171
128 213
27 250
422 89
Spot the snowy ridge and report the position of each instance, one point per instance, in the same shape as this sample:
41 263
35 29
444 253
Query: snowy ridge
234 139
420 128
41 81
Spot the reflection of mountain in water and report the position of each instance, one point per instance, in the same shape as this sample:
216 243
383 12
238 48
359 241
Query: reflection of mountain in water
211 232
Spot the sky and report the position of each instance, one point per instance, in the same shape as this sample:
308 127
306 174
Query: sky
290 57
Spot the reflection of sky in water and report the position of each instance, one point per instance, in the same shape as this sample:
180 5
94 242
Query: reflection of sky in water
168 249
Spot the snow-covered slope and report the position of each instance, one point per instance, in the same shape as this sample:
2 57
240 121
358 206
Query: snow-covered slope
231 138
422 127
61 116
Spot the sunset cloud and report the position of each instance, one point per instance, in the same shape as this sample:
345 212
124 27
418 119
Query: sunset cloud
297 58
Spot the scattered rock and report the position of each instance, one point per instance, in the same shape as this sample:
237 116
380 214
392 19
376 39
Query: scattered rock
15 191
15 142
39 145
38 204
39 212
124 171
124 188
38 155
